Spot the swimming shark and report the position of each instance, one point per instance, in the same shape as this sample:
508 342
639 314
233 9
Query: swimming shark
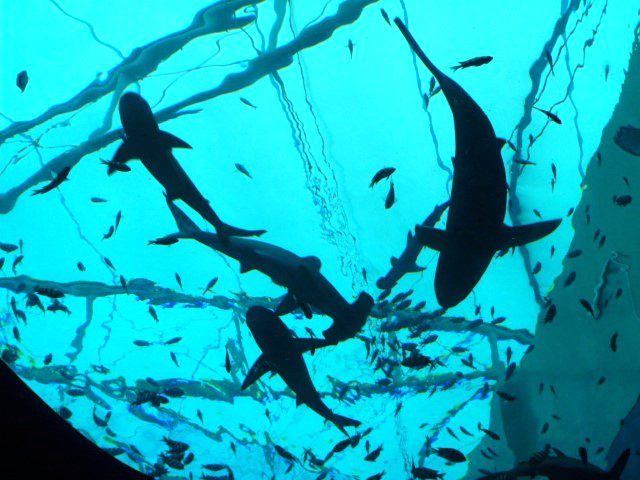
301 276
145 141
561 467
38 443
406 262
475 228
282 354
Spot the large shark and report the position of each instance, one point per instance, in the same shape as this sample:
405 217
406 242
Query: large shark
145 141
561 467
475 228
282 354
301 276
36 442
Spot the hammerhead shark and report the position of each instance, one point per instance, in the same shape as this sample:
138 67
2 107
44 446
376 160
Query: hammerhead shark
282 354
301 276
475 228
145 141
561 467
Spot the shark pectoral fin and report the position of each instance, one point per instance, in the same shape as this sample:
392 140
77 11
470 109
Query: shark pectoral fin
287 305
259 368
245 267
125 152
172 141
433 238
415 268
523 234
394 261
184 223
303 345
298 402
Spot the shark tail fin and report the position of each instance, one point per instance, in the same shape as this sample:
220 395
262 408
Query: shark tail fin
341 422
433 238
184 223
618 468
523 234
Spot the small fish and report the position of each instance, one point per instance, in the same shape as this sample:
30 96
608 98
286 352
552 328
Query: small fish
536 268
22 79
199 415
175 359
550 313
570 212
489 433
227 361
210 285
248 103
350 46
81 267
16 262
141 343
607 69
115 166
285 453
108 263
622 200
241 168
613 343
554 171
570 279
8 247
574 253
98 200
109 233
385 16
178 279
587 306
552 116
118 219
373 455
153 313
381 175
450 454
505 396
172 340
48 358
56 182
391 197
473 62
123 283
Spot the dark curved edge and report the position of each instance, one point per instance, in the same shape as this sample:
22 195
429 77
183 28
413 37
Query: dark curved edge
37 443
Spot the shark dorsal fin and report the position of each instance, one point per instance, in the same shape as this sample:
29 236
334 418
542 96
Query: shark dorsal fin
312 262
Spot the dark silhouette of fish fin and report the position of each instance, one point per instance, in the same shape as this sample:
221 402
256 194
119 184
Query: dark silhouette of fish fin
309 344
523 234
618 468
341 422
257 370
184 223
225 231
171 141
125 152
433 238
287 305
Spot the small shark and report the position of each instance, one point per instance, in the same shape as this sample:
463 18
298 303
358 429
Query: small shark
301 276
475 230
406 262
145 141
561 467
282 354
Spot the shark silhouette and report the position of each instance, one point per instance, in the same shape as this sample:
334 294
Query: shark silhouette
145 141
282 354
301 276
475 228
561 467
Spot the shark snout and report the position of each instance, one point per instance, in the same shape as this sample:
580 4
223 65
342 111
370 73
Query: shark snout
136 115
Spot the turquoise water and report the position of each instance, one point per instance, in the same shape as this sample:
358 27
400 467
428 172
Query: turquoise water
311 130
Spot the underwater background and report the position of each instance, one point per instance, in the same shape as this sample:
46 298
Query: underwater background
313 98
